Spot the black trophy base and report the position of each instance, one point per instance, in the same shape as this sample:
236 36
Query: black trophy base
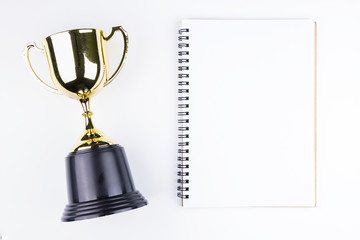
103 207
99 184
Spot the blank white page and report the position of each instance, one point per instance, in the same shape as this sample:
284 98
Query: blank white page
251 113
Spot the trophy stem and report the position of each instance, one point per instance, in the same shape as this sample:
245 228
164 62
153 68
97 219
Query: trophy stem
85 104
92 137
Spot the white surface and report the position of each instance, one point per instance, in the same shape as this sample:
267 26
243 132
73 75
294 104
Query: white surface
252 104
138 110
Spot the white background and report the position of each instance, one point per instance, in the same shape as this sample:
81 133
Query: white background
138 111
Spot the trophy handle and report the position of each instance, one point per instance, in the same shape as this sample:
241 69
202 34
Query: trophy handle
27 60
126 45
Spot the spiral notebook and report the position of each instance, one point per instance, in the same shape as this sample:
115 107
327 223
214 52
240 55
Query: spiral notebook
247 113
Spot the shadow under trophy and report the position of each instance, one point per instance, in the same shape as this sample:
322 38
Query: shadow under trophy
98 176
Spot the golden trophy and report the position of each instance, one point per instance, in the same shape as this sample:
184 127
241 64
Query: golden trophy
98 175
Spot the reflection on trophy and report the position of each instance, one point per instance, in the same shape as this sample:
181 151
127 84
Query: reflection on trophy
98 175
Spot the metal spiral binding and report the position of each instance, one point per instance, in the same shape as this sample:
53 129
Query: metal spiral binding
183 113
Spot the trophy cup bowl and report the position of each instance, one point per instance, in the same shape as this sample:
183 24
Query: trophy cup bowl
98 175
